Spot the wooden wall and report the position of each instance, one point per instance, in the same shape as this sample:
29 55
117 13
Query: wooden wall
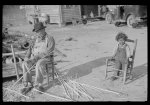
12 14
52 11
30 9
69 13
59 13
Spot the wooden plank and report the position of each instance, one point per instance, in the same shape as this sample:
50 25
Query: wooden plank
54 19
11 73
52 11
60 16
80 11
69 13
17 73
9 70
49 9
19 52
134 50
10 65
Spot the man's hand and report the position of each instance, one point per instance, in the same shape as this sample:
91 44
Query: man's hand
130 58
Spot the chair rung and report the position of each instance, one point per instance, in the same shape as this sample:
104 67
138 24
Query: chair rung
49 63
113 69
109 65
109 71
119 76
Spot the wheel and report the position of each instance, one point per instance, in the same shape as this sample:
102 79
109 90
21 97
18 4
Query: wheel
84 21
109 18
24 43
130 20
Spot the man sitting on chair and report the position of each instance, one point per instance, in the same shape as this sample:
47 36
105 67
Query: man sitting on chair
38 53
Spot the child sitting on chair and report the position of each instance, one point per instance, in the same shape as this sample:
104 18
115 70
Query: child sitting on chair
121 54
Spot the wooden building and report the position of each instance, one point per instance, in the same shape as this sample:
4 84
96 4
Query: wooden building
60 14
12 14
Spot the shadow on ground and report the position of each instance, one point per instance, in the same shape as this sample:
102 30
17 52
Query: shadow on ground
85 69
80 70
138 72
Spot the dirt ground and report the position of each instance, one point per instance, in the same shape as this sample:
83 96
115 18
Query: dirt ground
86 51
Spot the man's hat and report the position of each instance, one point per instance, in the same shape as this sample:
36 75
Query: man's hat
38 26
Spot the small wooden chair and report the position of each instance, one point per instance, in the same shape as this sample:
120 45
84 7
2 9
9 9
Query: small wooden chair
50 65
127 73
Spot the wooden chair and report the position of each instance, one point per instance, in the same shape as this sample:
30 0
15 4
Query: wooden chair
50 69
127 73
50 66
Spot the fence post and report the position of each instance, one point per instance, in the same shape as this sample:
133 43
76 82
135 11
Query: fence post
17 74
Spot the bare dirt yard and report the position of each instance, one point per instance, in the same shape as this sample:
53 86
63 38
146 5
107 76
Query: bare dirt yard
87 47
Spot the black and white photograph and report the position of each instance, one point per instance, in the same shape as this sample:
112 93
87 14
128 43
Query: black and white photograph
74 53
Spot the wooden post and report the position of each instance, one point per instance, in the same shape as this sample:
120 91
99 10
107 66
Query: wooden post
133 55
106 68
52 61
17 73
80 11
60 16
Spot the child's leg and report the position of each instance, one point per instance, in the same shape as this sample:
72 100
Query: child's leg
123 64
117 66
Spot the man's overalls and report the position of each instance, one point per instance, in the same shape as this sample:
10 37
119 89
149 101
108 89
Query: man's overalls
37 52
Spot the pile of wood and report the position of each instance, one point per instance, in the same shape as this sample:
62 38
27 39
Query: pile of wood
20 43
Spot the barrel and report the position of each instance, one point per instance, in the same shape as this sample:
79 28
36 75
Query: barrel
11 60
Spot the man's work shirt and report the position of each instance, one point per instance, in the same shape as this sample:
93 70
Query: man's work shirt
42 47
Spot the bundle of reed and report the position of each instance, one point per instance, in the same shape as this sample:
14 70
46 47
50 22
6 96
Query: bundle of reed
76 91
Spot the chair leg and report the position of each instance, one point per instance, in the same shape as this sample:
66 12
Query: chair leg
131 77
53 71
106 69
106 73
47 74
124 74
